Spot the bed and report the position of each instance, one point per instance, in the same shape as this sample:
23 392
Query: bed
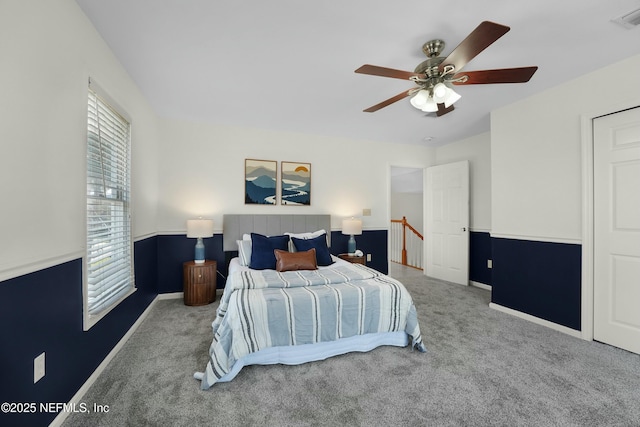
309 306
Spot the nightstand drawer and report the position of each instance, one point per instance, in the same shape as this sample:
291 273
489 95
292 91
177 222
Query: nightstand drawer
200 274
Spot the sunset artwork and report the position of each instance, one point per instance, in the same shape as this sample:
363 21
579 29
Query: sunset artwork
295 183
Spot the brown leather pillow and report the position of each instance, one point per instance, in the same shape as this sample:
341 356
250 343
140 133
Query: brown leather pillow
291 261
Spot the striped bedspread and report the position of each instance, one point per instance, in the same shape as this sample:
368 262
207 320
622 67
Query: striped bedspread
264 308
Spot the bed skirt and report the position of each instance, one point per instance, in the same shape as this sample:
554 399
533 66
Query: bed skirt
298 354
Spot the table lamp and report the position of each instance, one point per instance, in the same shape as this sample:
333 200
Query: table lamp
199 228
351 226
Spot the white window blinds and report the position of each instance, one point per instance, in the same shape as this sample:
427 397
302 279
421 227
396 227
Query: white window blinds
109 272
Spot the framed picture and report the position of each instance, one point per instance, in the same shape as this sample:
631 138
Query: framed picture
295 183
260 177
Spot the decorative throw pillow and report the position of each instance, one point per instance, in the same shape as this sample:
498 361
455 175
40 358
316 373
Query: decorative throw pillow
262 247
244 252
293 261
304 236
323 256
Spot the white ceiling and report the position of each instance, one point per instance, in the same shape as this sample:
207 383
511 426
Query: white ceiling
289 64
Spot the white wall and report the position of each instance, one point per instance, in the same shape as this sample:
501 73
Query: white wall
202 173
49 49
536 153
477 150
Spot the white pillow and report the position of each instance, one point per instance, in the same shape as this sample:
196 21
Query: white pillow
303 236
244 252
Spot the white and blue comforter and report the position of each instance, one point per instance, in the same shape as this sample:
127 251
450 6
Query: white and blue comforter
261 309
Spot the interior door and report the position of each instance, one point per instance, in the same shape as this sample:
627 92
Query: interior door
446 211
616 177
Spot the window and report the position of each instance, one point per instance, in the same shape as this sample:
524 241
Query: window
109 258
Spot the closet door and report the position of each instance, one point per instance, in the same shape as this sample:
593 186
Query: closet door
616 140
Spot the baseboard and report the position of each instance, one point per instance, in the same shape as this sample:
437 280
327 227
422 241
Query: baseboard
480 285
172 295
537 320
75 400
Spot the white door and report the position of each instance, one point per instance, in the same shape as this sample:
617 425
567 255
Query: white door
616 178
446 211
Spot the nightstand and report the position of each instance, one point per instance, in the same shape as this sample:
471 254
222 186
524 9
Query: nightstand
352 258
199 281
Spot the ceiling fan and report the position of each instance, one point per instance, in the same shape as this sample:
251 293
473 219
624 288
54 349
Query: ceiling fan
435 76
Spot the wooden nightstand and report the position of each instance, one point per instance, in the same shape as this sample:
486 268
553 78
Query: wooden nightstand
199 281
352 258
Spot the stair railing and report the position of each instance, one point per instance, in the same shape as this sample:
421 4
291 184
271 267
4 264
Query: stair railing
406 244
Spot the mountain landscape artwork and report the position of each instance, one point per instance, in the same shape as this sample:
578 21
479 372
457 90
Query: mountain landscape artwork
260 182
296 183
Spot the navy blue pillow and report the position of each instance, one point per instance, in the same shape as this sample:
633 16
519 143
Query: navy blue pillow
262 247
323 256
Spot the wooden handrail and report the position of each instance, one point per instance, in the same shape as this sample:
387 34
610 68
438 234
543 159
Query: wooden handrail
406 225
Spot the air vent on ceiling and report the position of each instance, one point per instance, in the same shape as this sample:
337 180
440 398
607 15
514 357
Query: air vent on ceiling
629 20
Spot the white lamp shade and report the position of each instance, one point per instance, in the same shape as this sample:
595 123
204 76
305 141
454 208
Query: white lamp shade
199 227
351 226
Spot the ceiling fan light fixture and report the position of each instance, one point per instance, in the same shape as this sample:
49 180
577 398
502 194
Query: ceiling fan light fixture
420 99
430 106
451 97
439 92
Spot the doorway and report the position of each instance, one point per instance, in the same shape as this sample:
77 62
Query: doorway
406 200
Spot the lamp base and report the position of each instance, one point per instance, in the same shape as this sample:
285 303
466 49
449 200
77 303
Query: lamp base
199 252
351 245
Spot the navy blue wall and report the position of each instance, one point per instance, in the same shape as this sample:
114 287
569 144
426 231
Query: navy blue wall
479 253
538 278
42 311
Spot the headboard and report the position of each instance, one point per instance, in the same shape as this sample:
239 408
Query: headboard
234 226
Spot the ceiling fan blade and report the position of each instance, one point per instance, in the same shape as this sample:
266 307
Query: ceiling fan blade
389 101
374 70
482 37
442 110
503 75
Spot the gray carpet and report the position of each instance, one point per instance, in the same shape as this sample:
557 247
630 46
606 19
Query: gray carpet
483 368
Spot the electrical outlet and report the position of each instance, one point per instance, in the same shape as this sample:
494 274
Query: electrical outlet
38 368
368 257
489 263
366 212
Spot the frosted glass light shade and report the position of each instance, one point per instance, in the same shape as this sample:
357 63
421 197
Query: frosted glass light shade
439 92
430 106
419 99
451 97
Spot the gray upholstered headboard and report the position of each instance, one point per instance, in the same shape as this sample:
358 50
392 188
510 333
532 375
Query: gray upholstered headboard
234 226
